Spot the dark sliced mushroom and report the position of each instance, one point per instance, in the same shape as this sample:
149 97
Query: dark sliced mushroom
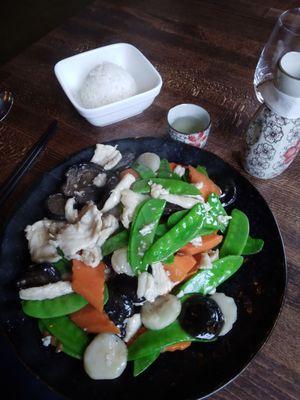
201 317
126 161
79 182
112 181
171 208
122 301
39 275
55 204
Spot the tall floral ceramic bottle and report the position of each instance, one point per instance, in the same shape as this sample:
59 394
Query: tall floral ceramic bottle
272 143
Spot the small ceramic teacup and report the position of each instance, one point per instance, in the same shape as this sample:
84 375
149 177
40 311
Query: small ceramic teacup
288 74
189 124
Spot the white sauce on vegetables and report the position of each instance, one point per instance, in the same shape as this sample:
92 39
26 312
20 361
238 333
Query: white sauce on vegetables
84 234
115 195
130 200
147 229
106 156
100 180
229 310
158 192
39 236
71 213
179 170
109 225
49 291
197 242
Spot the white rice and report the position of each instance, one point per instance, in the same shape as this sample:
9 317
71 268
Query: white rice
106 84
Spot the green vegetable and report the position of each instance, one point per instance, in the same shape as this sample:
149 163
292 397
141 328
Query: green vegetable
152 342
165 171
63 265
195 223
115 242
202 169
148 214
73 339
51 308
252 246
206 280
176 217
217 210
141 364
236 235
106 295
174 186
144 171
161 230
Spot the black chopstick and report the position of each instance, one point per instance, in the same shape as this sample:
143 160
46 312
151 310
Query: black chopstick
27 162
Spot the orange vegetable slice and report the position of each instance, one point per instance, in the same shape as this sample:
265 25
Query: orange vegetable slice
89 282
129 171
94 321
208 185
178 346
208 243
180 267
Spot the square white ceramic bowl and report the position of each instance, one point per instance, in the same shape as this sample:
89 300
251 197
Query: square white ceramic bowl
72 71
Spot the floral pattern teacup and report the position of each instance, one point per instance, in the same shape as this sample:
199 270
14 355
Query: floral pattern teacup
190 124
272 143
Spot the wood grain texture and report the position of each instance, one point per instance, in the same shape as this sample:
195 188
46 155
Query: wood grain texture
206 52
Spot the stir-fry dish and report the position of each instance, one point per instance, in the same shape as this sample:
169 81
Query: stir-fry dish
127 261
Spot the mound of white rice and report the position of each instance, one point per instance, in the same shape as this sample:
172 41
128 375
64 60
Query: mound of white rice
106 84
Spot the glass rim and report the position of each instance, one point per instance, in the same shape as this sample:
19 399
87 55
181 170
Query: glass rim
283 23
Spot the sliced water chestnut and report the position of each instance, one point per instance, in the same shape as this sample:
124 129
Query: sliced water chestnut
79 182
201 317
39 275
55 204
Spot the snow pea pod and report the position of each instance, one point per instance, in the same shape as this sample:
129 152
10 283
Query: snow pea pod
176 217
202 169
155 341
252 246
206 280
174 186
115 242
195 223
142 232
144 171
218 211
165 171
51 308
141 364
236 235
161 230
73 339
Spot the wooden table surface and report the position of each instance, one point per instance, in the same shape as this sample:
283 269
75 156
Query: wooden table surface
206 52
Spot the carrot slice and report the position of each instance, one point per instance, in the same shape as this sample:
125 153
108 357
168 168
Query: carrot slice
180 267
89 282
129 171
208 185
178 346
94 321
208 243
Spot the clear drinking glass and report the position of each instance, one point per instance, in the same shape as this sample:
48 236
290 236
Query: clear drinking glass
284 38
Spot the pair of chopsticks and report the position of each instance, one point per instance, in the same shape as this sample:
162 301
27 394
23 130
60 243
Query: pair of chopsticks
27 162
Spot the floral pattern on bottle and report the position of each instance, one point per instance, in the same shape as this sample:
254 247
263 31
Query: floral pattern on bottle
272 143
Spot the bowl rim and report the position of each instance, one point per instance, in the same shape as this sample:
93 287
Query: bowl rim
132 99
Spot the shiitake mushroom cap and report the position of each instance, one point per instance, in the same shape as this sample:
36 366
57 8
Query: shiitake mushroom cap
201 317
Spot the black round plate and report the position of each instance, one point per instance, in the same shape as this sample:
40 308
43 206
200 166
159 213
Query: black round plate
258 289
